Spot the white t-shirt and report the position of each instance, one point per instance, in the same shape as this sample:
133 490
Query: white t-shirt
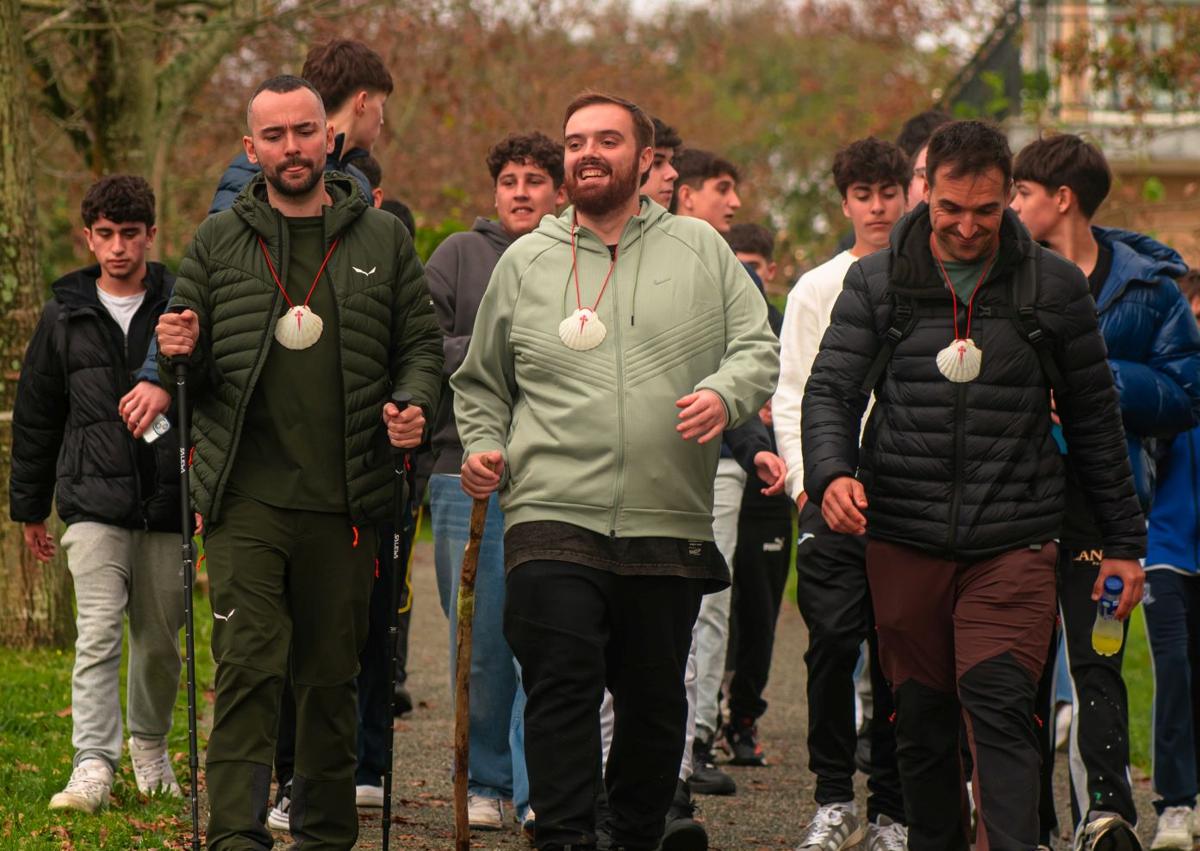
121 307
809 306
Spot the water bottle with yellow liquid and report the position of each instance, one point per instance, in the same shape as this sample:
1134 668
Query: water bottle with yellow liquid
1107 632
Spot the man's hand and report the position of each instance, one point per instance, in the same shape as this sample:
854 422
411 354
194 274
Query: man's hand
141 405
481 474
703 416
404 428
178 333
1131 573
767 414
842 506
772 470
39 542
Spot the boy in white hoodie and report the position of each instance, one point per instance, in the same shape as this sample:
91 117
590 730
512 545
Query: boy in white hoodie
832 592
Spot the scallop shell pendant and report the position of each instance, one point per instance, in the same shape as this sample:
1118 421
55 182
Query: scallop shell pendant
299 328
582 330
960 361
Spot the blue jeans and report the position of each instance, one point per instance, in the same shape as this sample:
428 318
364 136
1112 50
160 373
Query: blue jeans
497 744
1172 605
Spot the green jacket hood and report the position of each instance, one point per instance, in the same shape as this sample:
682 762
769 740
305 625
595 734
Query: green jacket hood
256 211
559 227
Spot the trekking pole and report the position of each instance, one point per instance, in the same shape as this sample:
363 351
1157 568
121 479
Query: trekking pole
185 505
400 464
465 613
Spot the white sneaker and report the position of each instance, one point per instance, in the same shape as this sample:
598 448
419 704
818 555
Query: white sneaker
152 767
484 813
833 828
368 796
88 788
277 816
883 834
1174 829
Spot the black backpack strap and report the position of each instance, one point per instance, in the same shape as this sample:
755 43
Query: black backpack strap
904 319
1024 301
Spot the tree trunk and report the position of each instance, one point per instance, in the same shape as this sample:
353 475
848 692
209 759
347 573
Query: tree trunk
35 600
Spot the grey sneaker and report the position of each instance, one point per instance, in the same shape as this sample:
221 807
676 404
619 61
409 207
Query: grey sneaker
883 834
833 828
88 788
1174 830
152 767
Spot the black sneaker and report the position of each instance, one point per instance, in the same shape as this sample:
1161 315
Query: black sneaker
706 778
403 701
741 738
1104 831
683 832
604 839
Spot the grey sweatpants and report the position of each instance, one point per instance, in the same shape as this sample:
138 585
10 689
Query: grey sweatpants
711 635
117 572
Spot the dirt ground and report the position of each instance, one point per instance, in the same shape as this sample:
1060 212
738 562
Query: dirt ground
769 811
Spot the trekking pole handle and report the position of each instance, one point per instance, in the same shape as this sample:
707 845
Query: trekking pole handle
401 399
178 361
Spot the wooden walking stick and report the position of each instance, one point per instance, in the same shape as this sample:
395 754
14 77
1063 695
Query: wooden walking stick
465 611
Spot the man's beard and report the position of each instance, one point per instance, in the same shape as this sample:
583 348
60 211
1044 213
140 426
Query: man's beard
601 200
294 190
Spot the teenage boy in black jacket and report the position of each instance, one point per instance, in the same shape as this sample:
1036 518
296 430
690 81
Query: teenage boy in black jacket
79 412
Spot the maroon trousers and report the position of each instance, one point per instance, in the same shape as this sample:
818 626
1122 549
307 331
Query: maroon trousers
965 640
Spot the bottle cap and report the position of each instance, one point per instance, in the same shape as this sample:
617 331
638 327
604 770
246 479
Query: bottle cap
1113 585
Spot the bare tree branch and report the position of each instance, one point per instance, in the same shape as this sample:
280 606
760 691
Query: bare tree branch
55 21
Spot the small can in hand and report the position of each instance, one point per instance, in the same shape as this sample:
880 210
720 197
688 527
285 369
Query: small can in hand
160 426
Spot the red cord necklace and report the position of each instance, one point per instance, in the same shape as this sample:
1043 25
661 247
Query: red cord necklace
307 327
583 330
962 360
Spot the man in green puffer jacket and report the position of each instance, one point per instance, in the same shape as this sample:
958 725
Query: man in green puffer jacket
305 309
612 348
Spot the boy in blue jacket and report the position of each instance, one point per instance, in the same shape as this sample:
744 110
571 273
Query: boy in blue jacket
1173 623
1154 352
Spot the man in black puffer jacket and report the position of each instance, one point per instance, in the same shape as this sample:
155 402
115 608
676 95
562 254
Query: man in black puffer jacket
961 330
78 399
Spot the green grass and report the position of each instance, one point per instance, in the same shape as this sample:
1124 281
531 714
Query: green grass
36 752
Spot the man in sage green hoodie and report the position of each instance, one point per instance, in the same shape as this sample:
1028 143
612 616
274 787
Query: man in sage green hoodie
612 348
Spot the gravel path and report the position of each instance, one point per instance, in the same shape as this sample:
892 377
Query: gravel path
768 812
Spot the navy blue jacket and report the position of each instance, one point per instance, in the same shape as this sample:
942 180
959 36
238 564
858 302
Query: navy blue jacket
1153 346
1175 520
241 170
